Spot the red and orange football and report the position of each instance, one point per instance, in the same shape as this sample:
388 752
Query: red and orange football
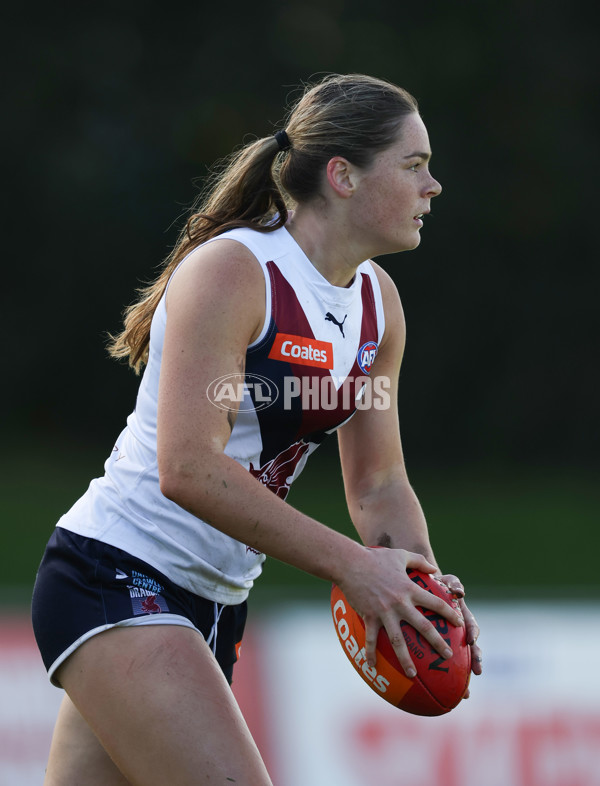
439 684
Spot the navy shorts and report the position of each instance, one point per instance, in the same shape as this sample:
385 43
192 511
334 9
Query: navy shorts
84 587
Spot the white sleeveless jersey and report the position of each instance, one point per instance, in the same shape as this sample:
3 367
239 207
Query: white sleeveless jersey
303 377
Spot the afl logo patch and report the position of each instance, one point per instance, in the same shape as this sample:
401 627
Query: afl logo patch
366 356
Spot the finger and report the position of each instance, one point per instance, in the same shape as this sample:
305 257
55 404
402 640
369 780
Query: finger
419 562
472 634
471 626
454 584
435 637
476 659
428 600
371 634
396 637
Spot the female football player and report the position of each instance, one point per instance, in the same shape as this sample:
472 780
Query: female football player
267 330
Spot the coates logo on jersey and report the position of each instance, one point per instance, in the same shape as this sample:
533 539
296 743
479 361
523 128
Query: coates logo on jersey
366 356
303 351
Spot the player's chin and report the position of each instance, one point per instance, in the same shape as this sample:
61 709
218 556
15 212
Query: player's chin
416 239
412 240
408 243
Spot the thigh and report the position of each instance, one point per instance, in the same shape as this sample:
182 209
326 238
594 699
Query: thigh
76 755
161 707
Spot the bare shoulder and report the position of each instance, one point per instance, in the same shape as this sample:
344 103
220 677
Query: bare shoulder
222 262
395 326
219 280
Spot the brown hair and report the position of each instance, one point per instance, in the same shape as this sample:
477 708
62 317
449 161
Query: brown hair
353 116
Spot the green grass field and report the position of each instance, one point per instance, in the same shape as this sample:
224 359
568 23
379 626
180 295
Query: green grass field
518 532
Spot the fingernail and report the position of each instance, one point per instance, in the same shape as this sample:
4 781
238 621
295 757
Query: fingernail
447 653
411 673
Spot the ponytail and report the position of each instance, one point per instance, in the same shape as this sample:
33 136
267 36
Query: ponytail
242 192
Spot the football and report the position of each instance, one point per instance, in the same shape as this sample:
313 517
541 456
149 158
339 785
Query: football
439 684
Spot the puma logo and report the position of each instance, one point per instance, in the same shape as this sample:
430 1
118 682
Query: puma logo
330 318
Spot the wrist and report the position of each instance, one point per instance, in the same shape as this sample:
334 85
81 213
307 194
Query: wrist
351 561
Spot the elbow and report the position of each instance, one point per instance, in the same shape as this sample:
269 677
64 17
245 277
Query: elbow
177 485
171 486
191 481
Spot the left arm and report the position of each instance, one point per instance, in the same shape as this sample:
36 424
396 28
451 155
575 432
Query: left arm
381 502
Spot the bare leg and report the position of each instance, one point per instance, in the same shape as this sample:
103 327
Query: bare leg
76 756
162 709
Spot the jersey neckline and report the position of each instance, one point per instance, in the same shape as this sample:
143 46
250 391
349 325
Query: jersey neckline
341 296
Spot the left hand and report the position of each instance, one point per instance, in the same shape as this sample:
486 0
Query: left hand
455 586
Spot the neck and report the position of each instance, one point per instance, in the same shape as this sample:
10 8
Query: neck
326 243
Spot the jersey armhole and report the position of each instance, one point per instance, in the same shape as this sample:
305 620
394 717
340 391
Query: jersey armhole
378 297
268 301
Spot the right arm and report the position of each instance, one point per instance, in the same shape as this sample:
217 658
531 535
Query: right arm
216 308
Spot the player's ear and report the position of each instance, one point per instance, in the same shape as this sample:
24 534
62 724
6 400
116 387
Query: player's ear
342 176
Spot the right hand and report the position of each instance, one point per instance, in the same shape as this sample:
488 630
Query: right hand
380 590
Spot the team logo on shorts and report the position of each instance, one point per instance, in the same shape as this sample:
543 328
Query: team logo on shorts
366 356
144 593
147 604
143 602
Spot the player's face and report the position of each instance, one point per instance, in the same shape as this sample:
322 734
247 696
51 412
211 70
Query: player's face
394 192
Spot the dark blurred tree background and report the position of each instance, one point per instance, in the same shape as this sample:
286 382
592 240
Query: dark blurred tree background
113 110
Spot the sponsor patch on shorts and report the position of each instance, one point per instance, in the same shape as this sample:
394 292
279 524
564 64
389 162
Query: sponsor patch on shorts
143 602
144 591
